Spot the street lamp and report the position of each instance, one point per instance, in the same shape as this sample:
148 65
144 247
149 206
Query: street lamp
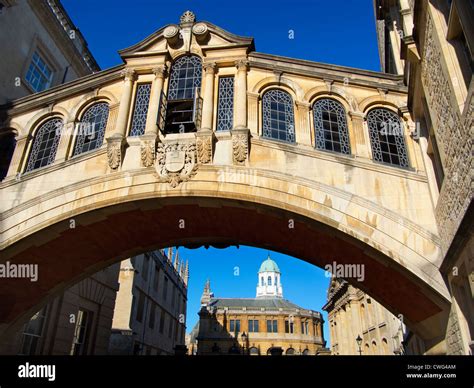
244 340
359 342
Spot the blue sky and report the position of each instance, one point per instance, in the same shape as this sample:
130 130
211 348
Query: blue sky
336 32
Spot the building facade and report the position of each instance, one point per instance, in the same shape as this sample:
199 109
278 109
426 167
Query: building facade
265 325
432 44
45 49
78 322
150 313
358 324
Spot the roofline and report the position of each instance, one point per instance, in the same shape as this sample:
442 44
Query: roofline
244 39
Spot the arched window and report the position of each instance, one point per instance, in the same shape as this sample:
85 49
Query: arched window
290 352
185 77
269 281
387 138
91 129
7 147
278 117
374 347
330 126
276 280
183 106
261 280
385 346
306 352
45 144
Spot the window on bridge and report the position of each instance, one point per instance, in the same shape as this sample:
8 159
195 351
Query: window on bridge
140 110
91 129
387 137
278 116
183 100
225 107
45 144
330 126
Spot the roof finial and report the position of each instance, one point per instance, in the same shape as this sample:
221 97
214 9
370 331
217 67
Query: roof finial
187 17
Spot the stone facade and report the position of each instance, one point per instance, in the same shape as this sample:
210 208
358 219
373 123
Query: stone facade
438 65
44 27
352 314
150 313
77 322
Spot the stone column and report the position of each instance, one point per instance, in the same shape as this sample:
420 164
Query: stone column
240 133
155 93
115 143
148 139
19 154
361 140
205 134
208 96
240 99
253 112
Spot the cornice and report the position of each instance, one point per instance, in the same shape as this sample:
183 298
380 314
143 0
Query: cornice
319 70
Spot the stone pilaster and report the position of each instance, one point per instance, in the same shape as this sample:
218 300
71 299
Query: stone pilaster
208 97
240 99
303 126
149 138
253 112
65 142
19 155
360 135
115 143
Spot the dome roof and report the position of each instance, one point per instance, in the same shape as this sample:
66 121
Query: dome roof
269 266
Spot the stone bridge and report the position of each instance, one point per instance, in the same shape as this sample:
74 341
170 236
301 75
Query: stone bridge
197 139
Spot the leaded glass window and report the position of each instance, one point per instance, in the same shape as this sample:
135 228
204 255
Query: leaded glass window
45 144
278 118
387 138
330 126
225 109
185 77
91 129
140 110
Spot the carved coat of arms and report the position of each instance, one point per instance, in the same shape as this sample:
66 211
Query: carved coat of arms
175 162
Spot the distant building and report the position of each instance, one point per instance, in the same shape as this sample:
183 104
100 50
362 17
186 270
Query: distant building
149 317
78 322
353 314
267 324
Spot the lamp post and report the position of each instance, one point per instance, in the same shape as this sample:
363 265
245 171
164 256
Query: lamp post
359 342
244 340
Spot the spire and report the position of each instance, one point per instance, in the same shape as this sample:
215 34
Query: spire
206 294
186 273
176 259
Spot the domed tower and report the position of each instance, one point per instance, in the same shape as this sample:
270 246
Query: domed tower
269 282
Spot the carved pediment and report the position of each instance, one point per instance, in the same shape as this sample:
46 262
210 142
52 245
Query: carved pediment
185 34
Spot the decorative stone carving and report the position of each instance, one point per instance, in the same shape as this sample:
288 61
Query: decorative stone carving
200 31
240 145
209 67
114 151
129 74
147 152
204 149
187 17
175 162
171 34
242 64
